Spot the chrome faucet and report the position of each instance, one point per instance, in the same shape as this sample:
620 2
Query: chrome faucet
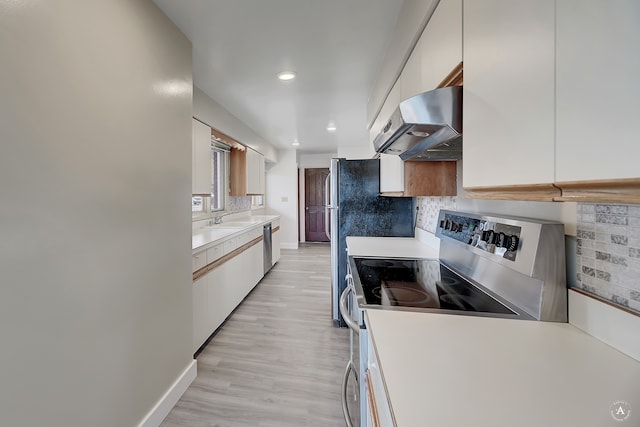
218 218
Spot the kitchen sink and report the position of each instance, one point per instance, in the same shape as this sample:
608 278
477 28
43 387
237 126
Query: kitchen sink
233 224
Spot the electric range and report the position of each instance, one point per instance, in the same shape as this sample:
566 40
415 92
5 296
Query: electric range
424 285
489 265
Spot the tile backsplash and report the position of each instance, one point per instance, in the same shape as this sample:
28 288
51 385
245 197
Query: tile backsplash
608 252
238 203
429 208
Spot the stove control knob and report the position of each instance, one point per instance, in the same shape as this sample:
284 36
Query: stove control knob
512 243
489 236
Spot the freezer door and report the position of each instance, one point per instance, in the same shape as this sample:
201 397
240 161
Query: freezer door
361 211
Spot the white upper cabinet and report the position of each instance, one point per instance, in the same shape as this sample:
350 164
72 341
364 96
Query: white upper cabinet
411 77
509 81
436 54
440 46
201 158
389 106
255 172
391 173
598 64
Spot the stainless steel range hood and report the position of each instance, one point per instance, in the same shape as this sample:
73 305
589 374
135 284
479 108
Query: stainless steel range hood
427 126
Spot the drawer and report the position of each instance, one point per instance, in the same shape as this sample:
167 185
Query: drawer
275 223
198 261
244 238
255 233
230 245
214 252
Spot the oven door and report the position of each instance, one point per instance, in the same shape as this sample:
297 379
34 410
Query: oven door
353 384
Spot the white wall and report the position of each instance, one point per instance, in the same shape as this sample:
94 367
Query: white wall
309 161
282 196
364 151
213 114
95 179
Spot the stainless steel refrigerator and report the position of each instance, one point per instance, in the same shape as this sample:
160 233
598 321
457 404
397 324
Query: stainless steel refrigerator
356 208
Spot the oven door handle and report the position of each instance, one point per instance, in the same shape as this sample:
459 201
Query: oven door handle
345 381
352 324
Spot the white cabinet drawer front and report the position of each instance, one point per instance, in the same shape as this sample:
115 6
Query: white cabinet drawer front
198 261
244 238
275 223
214 253
230 245
255 233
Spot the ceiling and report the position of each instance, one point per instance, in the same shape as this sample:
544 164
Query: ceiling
336 47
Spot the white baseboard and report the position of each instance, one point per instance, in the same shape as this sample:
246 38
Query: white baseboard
285 245
605 322
171 397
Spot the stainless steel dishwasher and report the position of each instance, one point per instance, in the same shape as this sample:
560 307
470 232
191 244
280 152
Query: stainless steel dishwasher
266 248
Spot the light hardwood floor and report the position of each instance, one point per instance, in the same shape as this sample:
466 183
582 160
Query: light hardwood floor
277 361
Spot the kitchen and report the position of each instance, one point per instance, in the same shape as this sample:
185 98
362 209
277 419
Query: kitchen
90 305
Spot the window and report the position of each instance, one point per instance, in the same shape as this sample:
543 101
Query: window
220 160
257 201
219 181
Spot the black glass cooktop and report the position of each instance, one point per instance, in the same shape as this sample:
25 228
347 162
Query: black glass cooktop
423 284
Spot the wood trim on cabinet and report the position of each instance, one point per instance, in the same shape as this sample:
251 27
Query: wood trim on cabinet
375 419
529 192
601 191
427 178
273 230
238 171
454 78
237 251
225 138
430 178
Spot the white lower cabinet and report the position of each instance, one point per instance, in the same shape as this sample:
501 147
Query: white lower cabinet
218 293
200 312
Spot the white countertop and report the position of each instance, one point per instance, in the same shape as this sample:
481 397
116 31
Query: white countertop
205 236
405 247
458 371
451 370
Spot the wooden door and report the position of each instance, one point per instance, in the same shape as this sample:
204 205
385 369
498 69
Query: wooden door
314 201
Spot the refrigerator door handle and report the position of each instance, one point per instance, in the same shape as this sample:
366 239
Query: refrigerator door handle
327 206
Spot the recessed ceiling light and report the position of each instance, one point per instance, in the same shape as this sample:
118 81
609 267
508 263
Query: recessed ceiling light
287 75
331 127
295 143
